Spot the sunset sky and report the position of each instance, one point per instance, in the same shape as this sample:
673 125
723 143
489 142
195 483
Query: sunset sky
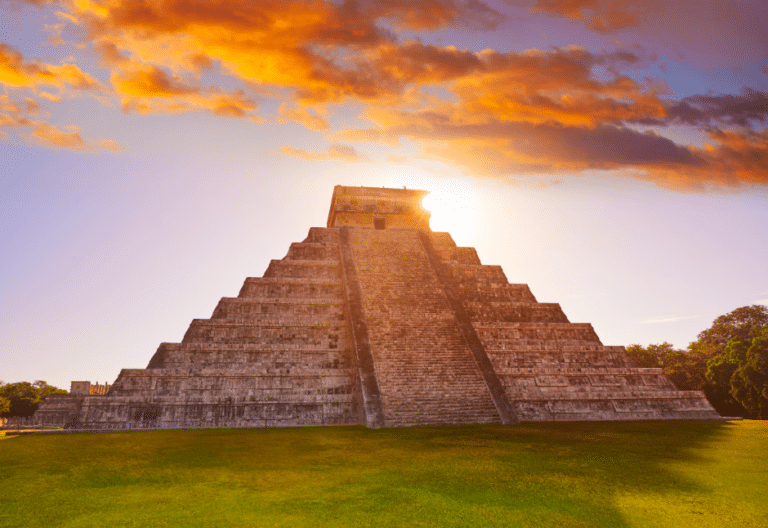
612 154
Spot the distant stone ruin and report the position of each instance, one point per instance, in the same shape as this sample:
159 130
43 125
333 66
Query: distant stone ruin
63 410
377 320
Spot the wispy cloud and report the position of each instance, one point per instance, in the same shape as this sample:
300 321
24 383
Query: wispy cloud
672 319
334 152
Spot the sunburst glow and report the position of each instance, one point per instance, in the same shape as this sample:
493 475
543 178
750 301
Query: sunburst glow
454 210
452 202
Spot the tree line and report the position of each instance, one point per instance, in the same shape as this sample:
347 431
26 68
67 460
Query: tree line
23 398
728 361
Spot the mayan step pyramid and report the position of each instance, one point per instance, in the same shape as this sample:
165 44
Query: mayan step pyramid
377 320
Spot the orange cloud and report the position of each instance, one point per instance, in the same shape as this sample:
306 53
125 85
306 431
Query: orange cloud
151 81
19 116
48 135
110 144
494 146
742 110
109 53
299 153
301 116
51 97
434 14
736 159
150 89
12 69
600 15
704 31
320 50
15 113
346 153
270 42
16 73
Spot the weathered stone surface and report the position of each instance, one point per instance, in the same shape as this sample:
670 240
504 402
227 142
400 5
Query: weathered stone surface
376 320
425 369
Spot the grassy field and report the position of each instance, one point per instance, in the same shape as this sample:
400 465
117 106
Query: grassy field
687 474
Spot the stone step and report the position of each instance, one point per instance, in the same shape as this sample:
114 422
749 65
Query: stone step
623 395
312 251
422 418
277 356
204 347
652 406
564 357
566 371
442 240
321 235
310 269
546 347
236 306
281 319
475 274
244 373
485 292
127 413
458 255
541 387
257 395
323 335
514 312
276 322
501 335
265 361
290 288
249 385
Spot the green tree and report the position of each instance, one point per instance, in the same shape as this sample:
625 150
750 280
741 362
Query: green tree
686 368
741 323
25 397
709 365
720 370
683 368
651 356
44 389
749 383
723 347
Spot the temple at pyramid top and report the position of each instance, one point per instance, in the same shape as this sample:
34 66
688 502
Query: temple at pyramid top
378 208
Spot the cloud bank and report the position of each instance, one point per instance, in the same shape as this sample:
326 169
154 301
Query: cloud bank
491 112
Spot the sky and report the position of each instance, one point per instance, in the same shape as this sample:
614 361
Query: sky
611 154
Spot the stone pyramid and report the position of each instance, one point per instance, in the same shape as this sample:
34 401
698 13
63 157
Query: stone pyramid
377 320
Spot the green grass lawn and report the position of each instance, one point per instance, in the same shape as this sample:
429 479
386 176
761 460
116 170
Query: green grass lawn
687 474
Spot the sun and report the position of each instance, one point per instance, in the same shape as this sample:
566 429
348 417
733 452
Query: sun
453 209
452 202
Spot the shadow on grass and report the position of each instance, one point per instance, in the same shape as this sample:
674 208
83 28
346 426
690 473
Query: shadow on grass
569 472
